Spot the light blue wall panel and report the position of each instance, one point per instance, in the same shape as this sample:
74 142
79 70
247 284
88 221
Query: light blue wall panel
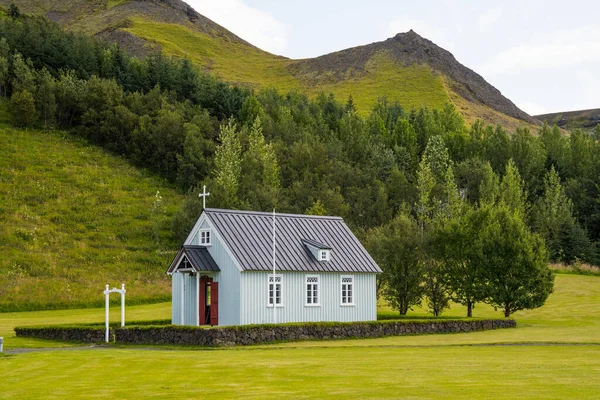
190 307
254 299
228 278
176 295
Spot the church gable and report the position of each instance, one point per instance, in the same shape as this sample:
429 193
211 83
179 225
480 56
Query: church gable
193 259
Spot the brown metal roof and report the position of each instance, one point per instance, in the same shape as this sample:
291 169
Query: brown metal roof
248 235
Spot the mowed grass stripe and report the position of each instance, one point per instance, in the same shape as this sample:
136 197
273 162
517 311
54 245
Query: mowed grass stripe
533 372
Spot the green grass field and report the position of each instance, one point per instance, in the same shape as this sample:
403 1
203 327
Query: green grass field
553 353
74 218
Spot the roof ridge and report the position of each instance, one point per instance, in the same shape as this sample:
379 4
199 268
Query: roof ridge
269 214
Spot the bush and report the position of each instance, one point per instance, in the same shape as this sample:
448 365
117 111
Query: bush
22 106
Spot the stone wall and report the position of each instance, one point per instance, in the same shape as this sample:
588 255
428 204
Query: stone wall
248 335
69 333
256 334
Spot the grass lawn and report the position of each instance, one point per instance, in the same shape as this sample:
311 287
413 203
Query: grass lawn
431 372
553 353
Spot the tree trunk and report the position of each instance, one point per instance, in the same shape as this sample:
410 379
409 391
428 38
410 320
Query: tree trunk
469 309
507 312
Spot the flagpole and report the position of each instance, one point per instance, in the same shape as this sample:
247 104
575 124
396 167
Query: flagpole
274 283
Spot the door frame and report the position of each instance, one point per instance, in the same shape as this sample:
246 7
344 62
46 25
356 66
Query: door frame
208 314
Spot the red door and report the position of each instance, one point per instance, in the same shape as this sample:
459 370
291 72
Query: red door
214 303
205 281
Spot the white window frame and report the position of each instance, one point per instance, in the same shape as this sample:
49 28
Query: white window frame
344 299
316 292
324 252
201 240
280 284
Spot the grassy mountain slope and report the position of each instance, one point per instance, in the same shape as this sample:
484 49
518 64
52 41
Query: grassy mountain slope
73 219
406 68
582 119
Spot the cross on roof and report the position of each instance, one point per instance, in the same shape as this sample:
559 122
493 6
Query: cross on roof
204 195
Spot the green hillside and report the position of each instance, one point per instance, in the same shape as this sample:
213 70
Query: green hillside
587 120
413 86
73 219
407 68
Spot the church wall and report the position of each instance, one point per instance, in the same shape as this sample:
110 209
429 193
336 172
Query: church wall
190 308
254 294
229 281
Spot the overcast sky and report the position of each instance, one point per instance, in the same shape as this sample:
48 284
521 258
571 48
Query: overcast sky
543 55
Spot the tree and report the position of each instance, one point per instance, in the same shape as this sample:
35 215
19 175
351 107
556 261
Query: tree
425 207
188 213
251 109
260 186
45 98
453 202
513 262
512 192
435 286
451 244
228 166
22 105
316 209
437 157
489 189
529 155
4 65
397 249
196 161
553 220
13 11
24 75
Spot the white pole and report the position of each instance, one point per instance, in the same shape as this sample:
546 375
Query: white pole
107 316
123 304
274 283
197 299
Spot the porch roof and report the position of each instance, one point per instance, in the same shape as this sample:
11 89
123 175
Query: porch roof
198 257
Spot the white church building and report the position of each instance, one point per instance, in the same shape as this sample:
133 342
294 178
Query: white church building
223 274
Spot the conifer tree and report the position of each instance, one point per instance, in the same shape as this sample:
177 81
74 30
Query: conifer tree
553 220
426 205
228 165
437 157
489 189
512 192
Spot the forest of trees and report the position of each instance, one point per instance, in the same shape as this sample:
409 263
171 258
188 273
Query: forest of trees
450 211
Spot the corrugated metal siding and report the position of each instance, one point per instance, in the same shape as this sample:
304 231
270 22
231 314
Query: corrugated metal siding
254 299
175 303
190 304
229 281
